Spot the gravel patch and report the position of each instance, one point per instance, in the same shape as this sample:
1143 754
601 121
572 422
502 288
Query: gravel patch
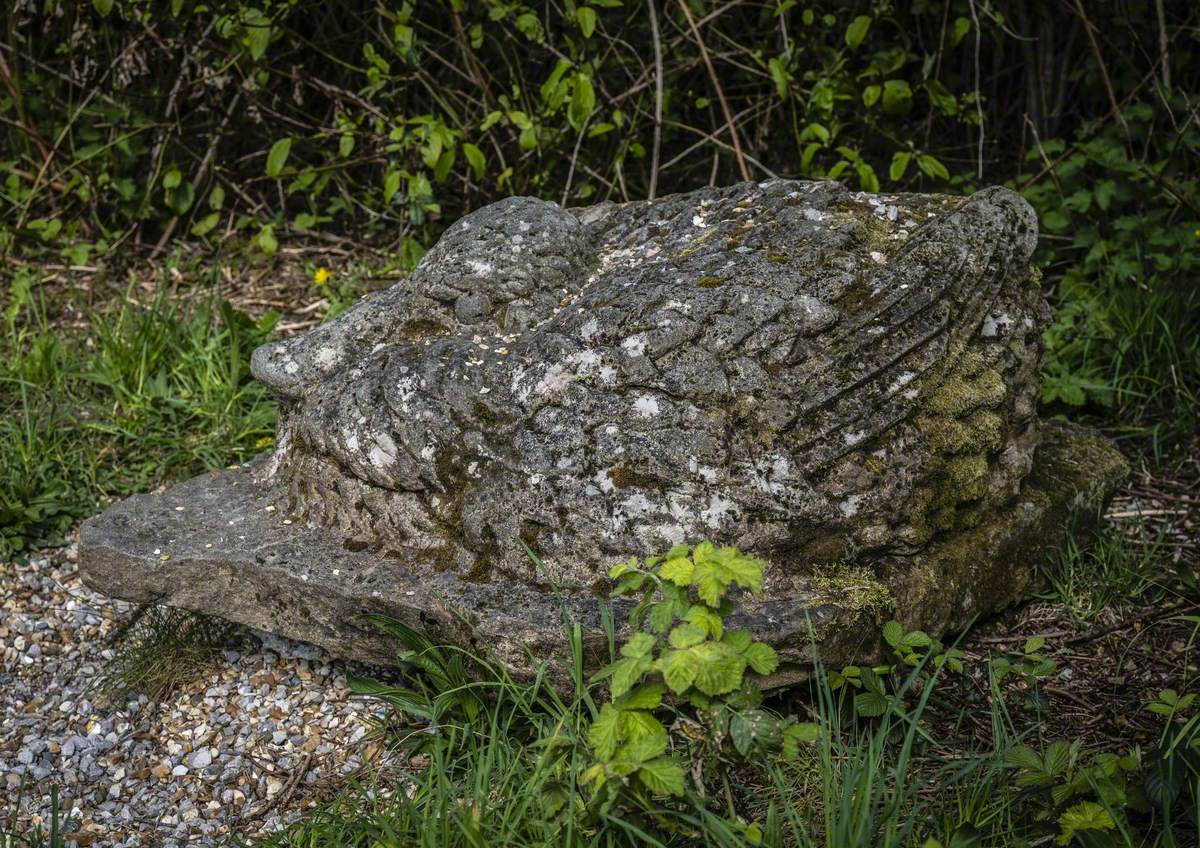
243 748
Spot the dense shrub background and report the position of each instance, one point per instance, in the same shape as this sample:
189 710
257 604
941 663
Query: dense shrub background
131 126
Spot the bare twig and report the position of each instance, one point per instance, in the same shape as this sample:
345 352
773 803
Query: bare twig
658 98
712 74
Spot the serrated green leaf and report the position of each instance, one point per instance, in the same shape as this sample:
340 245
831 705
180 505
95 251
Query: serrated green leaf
706 618
638 645
719 668
660 617
686 635
917 639
677 570
1086 815
893 633
627 672
1034 644
762 658
278 156
1024 757
604 732
870 704
661 777
678 669
648 696
645 735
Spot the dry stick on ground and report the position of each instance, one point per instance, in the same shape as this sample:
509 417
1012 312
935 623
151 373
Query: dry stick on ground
712 74
282 798
658 98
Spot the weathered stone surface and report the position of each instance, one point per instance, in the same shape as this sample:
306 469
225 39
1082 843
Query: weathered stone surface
843 384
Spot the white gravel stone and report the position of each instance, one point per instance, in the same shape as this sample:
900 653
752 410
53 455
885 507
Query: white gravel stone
181 773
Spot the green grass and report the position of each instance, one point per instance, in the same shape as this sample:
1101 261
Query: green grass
145 393
1105 573
161 647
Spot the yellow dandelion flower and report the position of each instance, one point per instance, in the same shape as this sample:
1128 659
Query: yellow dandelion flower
321 275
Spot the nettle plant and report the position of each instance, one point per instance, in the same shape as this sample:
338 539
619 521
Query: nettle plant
682 651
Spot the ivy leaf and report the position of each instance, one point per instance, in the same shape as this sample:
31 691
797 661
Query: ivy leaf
278 156
762 658
604 733
857 31
678 669
585 16
662 777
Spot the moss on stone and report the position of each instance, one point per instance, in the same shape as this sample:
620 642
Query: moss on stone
958 395
852 588
626 478
709 282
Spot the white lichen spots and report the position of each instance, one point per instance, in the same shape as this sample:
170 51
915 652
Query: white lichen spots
902 380
290 366
608 374
698 221
480 267
351 439
428 452
670 534
472 469
718 510
646 406
589 329
555 380
849 506
855 437
811 214
995 325
635 345
878 257
383 454
604 481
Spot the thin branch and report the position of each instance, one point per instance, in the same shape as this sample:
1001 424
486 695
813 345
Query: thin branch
658 98
712 74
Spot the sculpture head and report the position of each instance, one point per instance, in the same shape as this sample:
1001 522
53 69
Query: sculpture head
794 368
